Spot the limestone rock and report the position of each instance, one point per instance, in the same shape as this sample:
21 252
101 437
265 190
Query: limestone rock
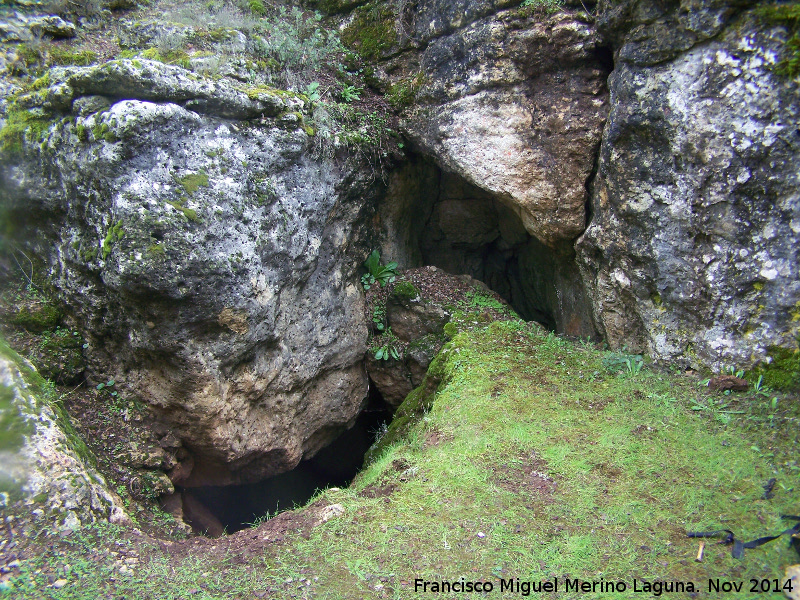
53 26
692 251
211 262
155 81
43 462
515 105
509 104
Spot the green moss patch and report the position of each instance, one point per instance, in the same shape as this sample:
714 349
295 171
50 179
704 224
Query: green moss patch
23 125
189 213
787 14
193 182
405 290
68 56
372 31
37 317
783 372
12 423
115 234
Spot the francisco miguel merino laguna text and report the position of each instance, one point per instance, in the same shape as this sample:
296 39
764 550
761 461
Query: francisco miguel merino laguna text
526 588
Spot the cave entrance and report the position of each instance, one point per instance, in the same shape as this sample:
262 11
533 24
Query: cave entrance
214 510
432 217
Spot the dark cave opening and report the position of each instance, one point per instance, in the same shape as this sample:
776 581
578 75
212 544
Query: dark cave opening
434 217
214 510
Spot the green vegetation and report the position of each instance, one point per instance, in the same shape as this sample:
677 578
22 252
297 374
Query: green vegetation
546 6
194 181
37 317
383 274
787 14
372 31
189 213
404 92
521 455
619 362
11 421
115 234
296 46
783 372
405 290
385 346
478 299
59 55
23 125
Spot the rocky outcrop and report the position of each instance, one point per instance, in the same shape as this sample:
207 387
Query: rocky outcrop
44 465
205 253
515 103
691 254
509 103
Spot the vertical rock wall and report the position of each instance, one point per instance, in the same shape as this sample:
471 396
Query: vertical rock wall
692 252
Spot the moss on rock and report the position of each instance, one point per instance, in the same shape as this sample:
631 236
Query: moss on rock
372 31
405 291
783 371
37 318
191 183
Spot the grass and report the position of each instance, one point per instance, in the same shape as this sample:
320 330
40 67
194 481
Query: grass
535 461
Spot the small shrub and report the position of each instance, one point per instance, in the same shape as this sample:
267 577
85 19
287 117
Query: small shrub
297 45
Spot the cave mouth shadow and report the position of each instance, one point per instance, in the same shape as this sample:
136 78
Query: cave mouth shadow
236 507
430 216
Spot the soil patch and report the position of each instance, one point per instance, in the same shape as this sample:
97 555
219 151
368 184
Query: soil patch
527 477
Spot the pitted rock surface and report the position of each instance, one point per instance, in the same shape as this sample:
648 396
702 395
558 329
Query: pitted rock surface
206 258
692 251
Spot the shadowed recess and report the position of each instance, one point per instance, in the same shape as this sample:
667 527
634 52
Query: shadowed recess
215 510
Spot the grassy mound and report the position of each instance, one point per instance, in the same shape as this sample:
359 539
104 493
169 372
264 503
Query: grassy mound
539 460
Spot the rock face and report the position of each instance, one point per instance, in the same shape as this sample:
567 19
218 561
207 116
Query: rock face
514 103
691 254
509 103
42 461
206 257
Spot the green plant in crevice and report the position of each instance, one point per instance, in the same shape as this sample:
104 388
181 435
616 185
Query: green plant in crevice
383 274
386 346
379 317
789 15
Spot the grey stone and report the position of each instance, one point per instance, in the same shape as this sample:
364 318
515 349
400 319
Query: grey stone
44 465
692 252
207 260
53 26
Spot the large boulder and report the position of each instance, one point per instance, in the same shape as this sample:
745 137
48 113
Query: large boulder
44 465
691 254
205 253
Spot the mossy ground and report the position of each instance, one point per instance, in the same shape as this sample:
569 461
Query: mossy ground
532 461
